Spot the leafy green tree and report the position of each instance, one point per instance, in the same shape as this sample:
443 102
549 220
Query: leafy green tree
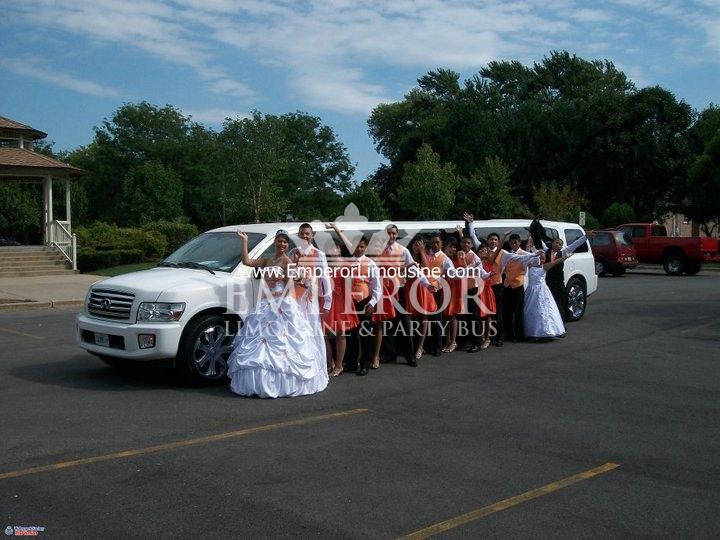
559 202
151 192
487 193
137 134
21 215
366 198
319 172
706 126
257 163
617 214
702 196
428 188
564 118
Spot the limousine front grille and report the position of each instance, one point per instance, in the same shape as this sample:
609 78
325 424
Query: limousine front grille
110 304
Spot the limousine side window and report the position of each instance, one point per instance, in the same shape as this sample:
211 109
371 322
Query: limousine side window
573 234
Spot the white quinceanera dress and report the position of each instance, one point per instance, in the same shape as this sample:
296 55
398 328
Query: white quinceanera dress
541 316
274 353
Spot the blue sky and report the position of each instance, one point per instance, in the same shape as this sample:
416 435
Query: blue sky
67 64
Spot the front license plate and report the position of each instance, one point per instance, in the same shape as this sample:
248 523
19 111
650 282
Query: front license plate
102 339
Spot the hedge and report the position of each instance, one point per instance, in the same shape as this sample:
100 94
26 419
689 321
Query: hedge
90 259
176 233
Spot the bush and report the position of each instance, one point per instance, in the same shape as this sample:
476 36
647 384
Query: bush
176 233
90 259
105 237
616 214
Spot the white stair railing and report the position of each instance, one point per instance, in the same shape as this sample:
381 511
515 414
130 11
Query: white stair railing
66 242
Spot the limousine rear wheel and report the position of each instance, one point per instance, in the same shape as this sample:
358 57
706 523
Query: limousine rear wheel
204 349
576 299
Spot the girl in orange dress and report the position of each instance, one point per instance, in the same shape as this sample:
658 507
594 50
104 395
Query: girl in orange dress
488 306
341 318
454 305
419 300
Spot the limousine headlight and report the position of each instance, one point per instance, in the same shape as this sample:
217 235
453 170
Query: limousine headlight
160 311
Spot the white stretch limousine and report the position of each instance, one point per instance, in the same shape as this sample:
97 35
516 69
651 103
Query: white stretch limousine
187 308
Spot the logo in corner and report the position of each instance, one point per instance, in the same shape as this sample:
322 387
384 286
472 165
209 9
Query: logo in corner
9 531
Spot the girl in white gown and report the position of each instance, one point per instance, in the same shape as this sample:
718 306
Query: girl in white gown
541 317
272 354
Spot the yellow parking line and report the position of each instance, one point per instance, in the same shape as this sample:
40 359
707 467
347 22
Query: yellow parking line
508 503
23 334
177 444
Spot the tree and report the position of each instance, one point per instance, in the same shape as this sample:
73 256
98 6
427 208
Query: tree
617 214
487 192
257 162
367 200
319 172
21 212
428 188
559 202
702 197
137 134
706 126
150 192
564 118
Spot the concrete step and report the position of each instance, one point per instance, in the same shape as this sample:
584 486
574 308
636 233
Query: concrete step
25 249
31 256
28 273
33 265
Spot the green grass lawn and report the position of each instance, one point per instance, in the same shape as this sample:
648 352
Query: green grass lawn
123 269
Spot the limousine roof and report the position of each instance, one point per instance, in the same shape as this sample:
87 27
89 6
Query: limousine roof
500 224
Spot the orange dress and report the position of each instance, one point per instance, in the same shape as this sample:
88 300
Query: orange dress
454 305
385 310
342 317
487 305
418 298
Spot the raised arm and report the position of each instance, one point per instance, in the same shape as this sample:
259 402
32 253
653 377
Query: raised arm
576 244
246 260
549 265
469 219
343 237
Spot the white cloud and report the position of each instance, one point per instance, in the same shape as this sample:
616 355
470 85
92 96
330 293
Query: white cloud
152 26
590 15
34 68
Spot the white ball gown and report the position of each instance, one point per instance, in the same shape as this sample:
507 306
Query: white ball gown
541 316
276 352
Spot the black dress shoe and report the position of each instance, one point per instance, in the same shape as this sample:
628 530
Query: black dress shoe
474 348
361 371
411 361
497 343
388 359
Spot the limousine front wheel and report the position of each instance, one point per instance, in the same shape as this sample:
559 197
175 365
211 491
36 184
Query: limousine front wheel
204 349
576 299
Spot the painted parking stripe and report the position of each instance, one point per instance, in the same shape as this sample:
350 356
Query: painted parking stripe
509 503
17 333
177 444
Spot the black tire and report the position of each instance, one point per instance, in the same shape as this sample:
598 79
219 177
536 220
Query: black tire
600 267
204 348
674 265
692 267
576 296
618 272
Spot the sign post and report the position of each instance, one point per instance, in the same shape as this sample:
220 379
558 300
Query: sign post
581 219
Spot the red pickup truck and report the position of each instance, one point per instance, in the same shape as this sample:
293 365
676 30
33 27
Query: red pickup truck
678 255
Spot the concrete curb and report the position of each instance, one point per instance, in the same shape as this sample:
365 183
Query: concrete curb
22 306
705 267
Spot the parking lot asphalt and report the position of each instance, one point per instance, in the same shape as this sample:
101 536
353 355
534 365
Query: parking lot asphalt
463 440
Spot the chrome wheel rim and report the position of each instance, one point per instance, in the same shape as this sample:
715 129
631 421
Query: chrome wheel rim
674 265
576 300
211 351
